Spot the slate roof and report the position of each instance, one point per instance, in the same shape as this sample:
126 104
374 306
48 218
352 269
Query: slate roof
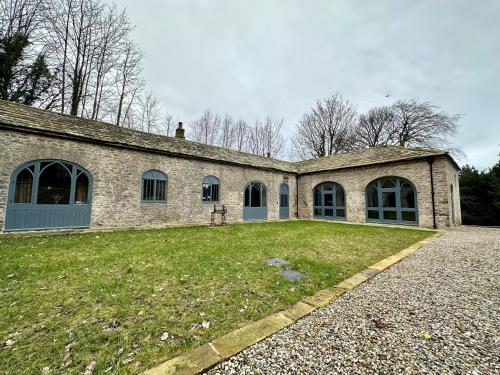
367 156
25 118
34 119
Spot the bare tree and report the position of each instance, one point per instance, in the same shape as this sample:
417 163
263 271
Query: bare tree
167 125
150 112
326 129
241 130
265 138
98 65
83 50
206 128
375 128
422 124
227 132
87 64
60 19
24 17
112 28
128 77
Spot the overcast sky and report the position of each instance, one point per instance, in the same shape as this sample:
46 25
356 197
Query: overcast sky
257 58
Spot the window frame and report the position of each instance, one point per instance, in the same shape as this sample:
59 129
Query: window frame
211 181
156 176
262 192
284 190
334 205
397 209
74 169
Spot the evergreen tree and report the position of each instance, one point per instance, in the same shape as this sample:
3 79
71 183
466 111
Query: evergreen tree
22 81
480 195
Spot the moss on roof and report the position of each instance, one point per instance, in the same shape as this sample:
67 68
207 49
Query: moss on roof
21 117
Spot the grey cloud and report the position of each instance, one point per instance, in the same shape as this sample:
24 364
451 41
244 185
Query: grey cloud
259 58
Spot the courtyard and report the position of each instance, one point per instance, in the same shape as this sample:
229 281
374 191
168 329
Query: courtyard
435 312
124 301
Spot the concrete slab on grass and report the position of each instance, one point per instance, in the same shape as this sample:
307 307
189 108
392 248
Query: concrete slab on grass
298 310
191 362
293 275
234 342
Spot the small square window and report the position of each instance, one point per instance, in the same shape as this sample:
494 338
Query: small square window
390 215
408 216
328 212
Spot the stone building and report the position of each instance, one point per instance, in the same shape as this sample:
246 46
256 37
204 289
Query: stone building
59 171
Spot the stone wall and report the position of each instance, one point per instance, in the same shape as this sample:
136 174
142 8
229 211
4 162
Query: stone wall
454 194
117 172
355 180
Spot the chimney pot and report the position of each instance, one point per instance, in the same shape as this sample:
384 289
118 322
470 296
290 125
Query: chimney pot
179 132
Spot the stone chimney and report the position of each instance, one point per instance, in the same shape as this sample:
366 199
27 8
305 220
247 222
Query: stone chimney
179 132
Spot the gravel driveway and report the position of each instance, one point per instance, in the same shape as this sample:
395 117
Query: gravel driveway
437 311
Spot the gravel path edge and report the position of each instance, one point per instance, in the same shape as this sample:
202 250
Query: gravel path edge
207 356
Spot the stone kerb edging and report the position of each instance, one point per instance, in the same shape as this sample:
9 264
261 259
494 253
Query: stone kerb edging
204 357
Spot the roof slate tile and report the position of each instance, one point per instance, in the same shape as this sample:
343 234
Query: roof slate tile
22 117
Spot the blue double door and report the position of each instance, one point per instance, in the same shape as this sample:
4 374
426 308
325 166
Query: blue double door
255 205
49 194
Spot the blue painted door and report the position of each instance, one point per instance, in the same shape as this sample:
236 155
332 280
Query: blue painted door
255 205
284 202
49 194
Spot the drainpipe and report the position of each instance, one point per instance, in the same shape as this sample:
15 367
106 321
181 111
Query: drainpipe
297 195
431 161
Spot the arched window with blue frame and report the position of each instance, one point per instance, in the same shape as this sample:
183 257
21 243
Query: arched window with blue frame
255 201
49 194
391 200
210 187
154 186
329 201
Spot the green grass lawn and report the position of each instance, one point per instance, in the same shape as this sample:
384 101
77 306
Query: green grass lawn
70 299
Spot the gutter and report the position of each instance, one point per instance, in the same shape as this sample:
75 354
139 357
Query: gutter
431 161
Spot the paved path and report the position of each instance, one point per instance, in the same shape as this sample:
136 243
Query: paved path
437 311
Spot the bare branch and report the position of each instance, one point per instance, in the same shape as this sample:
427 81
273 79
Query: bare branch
375 128
326 129
206 128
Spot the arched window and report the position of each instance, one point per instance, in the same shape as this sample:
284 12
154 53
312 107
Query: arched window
49 194
154 186
54 184
81 188
255 194
24 185
255 204
210 189
51 182
391 200
329 201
